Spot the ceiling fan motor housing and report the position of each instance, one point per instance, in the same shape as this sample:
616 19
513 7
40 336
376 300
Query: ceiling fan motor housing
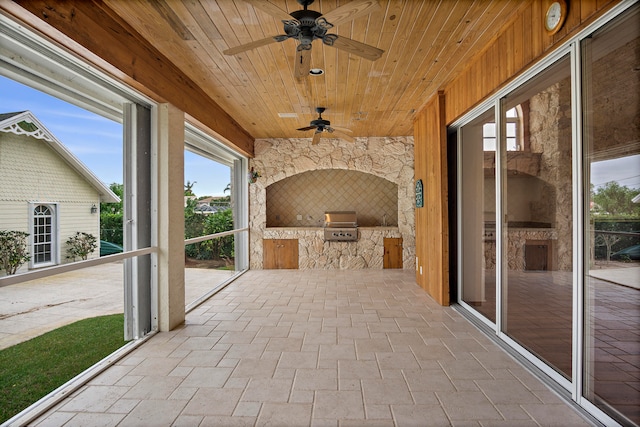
306 27
320 123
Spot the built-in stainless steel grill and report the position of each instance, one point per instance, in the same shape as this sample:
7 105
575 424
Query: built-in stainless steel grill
340 226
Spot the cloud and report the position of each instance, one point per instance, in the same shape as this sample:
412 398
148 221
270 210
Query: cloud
87 149
82 129
71 113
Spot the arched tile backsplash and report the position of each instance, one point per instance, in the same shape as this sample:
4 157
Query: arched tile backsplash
301 200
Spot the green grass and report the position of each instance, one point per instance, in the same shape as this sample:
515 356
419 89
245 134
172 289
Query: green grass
32 369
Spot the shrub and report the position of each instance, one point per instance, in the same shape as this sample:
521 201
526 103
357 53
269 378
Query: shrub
81 245
218 223
13 250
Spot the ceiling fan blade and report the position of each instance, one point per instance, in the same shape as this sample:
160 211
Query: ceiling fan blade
316 137
270 8
250 45
351 10
303 63
343 135
341 129
364 50
308 128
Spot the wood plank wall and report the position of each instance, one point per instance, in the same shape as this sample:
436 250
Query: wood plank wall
521 43
432 233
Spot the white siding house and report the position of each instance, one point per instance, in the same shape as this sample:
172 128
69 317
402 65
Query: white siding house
45 190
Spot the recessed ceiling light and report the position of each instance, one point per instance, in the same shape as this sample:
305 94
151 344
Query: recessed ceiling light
288 115
316 71
360 115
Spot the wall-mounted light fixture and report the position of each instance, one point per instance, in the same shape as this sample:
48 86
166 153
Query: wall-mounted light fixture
94 209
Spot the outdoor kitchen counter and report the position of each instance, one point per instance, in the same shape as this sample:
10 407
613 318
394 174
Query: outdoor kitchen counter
320 228
298 232
315 252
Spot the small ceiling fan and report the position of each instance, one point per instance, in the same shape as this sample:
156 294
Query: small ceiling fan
321 125
309 25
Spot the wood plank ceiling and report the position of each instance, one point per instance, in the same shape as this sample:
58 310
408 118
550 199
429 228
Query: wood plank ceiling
425 43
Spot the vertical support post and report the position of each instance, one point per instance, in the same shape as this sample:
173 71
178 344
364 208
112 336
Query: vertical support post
170 190
240 196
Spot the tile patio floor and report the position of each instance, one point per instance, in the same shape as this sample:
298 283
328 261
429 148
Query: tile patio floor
317 348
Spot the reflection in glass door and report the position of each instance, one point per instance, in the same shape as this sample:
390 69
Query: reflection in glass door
538 221
478 214
611 135
557 182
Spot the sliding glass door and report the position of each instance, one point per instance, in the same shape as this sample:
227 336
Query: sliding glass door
537 225
549 216
611 135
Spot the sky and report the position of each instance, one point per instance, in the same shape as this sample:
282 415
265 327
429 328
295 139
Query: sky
625 171
97 141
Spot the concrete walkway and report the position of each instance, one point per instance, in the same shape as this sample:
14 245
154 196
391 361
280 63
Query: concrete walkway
629 276
32 308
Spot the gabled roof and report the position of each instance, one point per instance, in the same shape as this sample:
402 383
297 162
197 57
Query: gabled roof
26 123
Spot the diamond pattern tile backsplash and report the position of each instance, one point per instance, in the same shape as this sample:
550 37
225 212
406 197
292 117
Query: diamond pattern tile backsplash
310 194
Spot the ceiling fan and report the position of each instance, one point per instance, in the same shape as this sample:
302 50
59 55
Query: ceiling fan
321 125
309 25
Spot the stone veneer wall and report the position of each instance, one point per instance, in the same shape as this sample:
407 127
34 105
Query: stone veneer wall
550 130
516 242
389 158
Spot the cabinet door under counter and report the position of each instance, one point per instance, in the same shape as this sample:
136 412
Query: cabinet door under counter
392 257
280 254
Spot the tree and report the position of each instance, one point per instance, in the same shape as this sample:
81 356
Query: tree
193 226
114 208
616 200
608 240
226 200
615 218
111 215
13 250
188 188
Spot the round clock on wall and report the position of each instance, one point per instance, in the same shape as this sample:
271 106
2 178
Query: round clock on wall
555 16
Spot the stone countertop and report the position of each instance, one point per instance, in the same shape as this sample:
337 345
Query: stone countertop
311 233
389 227
293 228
